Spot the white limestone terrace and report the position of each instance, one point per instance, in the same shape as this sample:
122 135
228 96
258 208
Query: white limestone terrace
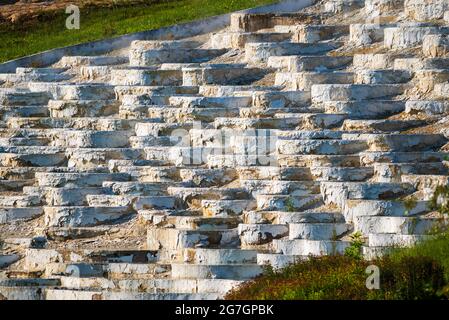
176 169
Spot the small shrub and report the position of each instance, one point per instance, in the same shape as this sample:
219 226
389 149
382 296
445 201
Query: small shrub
290 205
355 249
440 200
344 278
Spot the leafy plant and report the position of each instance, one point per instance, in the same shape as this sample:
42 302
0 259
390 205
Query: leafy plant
440 200
410 204
290 205
355 249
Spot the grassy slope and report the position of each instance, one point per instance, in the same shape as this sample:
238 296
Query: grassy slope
421 272
100 23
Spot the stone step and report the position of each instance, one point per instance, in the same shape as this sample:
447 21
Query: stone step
22 97
305 80
61 294
92 139
323 147
385 172
85 216
307 33
77 61
238 40
137 202
210 102
309 63
65 196
394 240
160 129
14 185
98 73
383 76
97 159
201 256
338 6
207 177
278 261
400 142
280 100
55 179
406 36
226 208
122 91
396 225
318 160
173 239
274 173
390 208
251 22
365 109
40 159
150 141
366 34
23 111
234 272
75 91
82 108
20 201
252 235
370 158
376 126
282 217
374 61
146 77
287 202
154 286
201 223
21 293
429 108
38 77
10 214
228 90
351 92
194 196
426 183
83 123
273 187
157 56
261 52
338 192
304 247
221 74
181 114
341 174
318 231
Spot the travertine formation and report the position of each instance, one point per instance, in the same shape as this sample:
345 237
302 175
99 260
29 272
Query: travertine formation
177 169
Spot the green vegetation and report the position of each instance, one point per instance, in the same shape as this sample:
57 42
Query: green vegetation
100 23
355 249
290 205
440 200
421 272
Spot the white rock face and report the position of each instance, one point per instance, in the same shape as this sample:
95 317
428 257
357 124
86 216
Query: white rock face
426 10
177 168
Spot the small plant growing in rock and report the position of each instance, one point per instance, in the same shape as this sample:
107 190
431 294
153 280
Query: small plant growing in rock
355 249
289 205
409 204
440 200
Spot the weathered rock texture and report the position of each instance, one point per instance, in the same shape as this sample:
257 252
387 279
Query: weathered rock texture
176 169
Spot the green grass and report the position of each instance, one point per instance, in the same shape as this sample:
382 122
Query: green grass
421 272
101 23
437 249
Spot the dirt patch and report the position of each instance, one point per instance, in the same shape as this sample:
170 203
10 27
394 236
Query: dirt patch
28 12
